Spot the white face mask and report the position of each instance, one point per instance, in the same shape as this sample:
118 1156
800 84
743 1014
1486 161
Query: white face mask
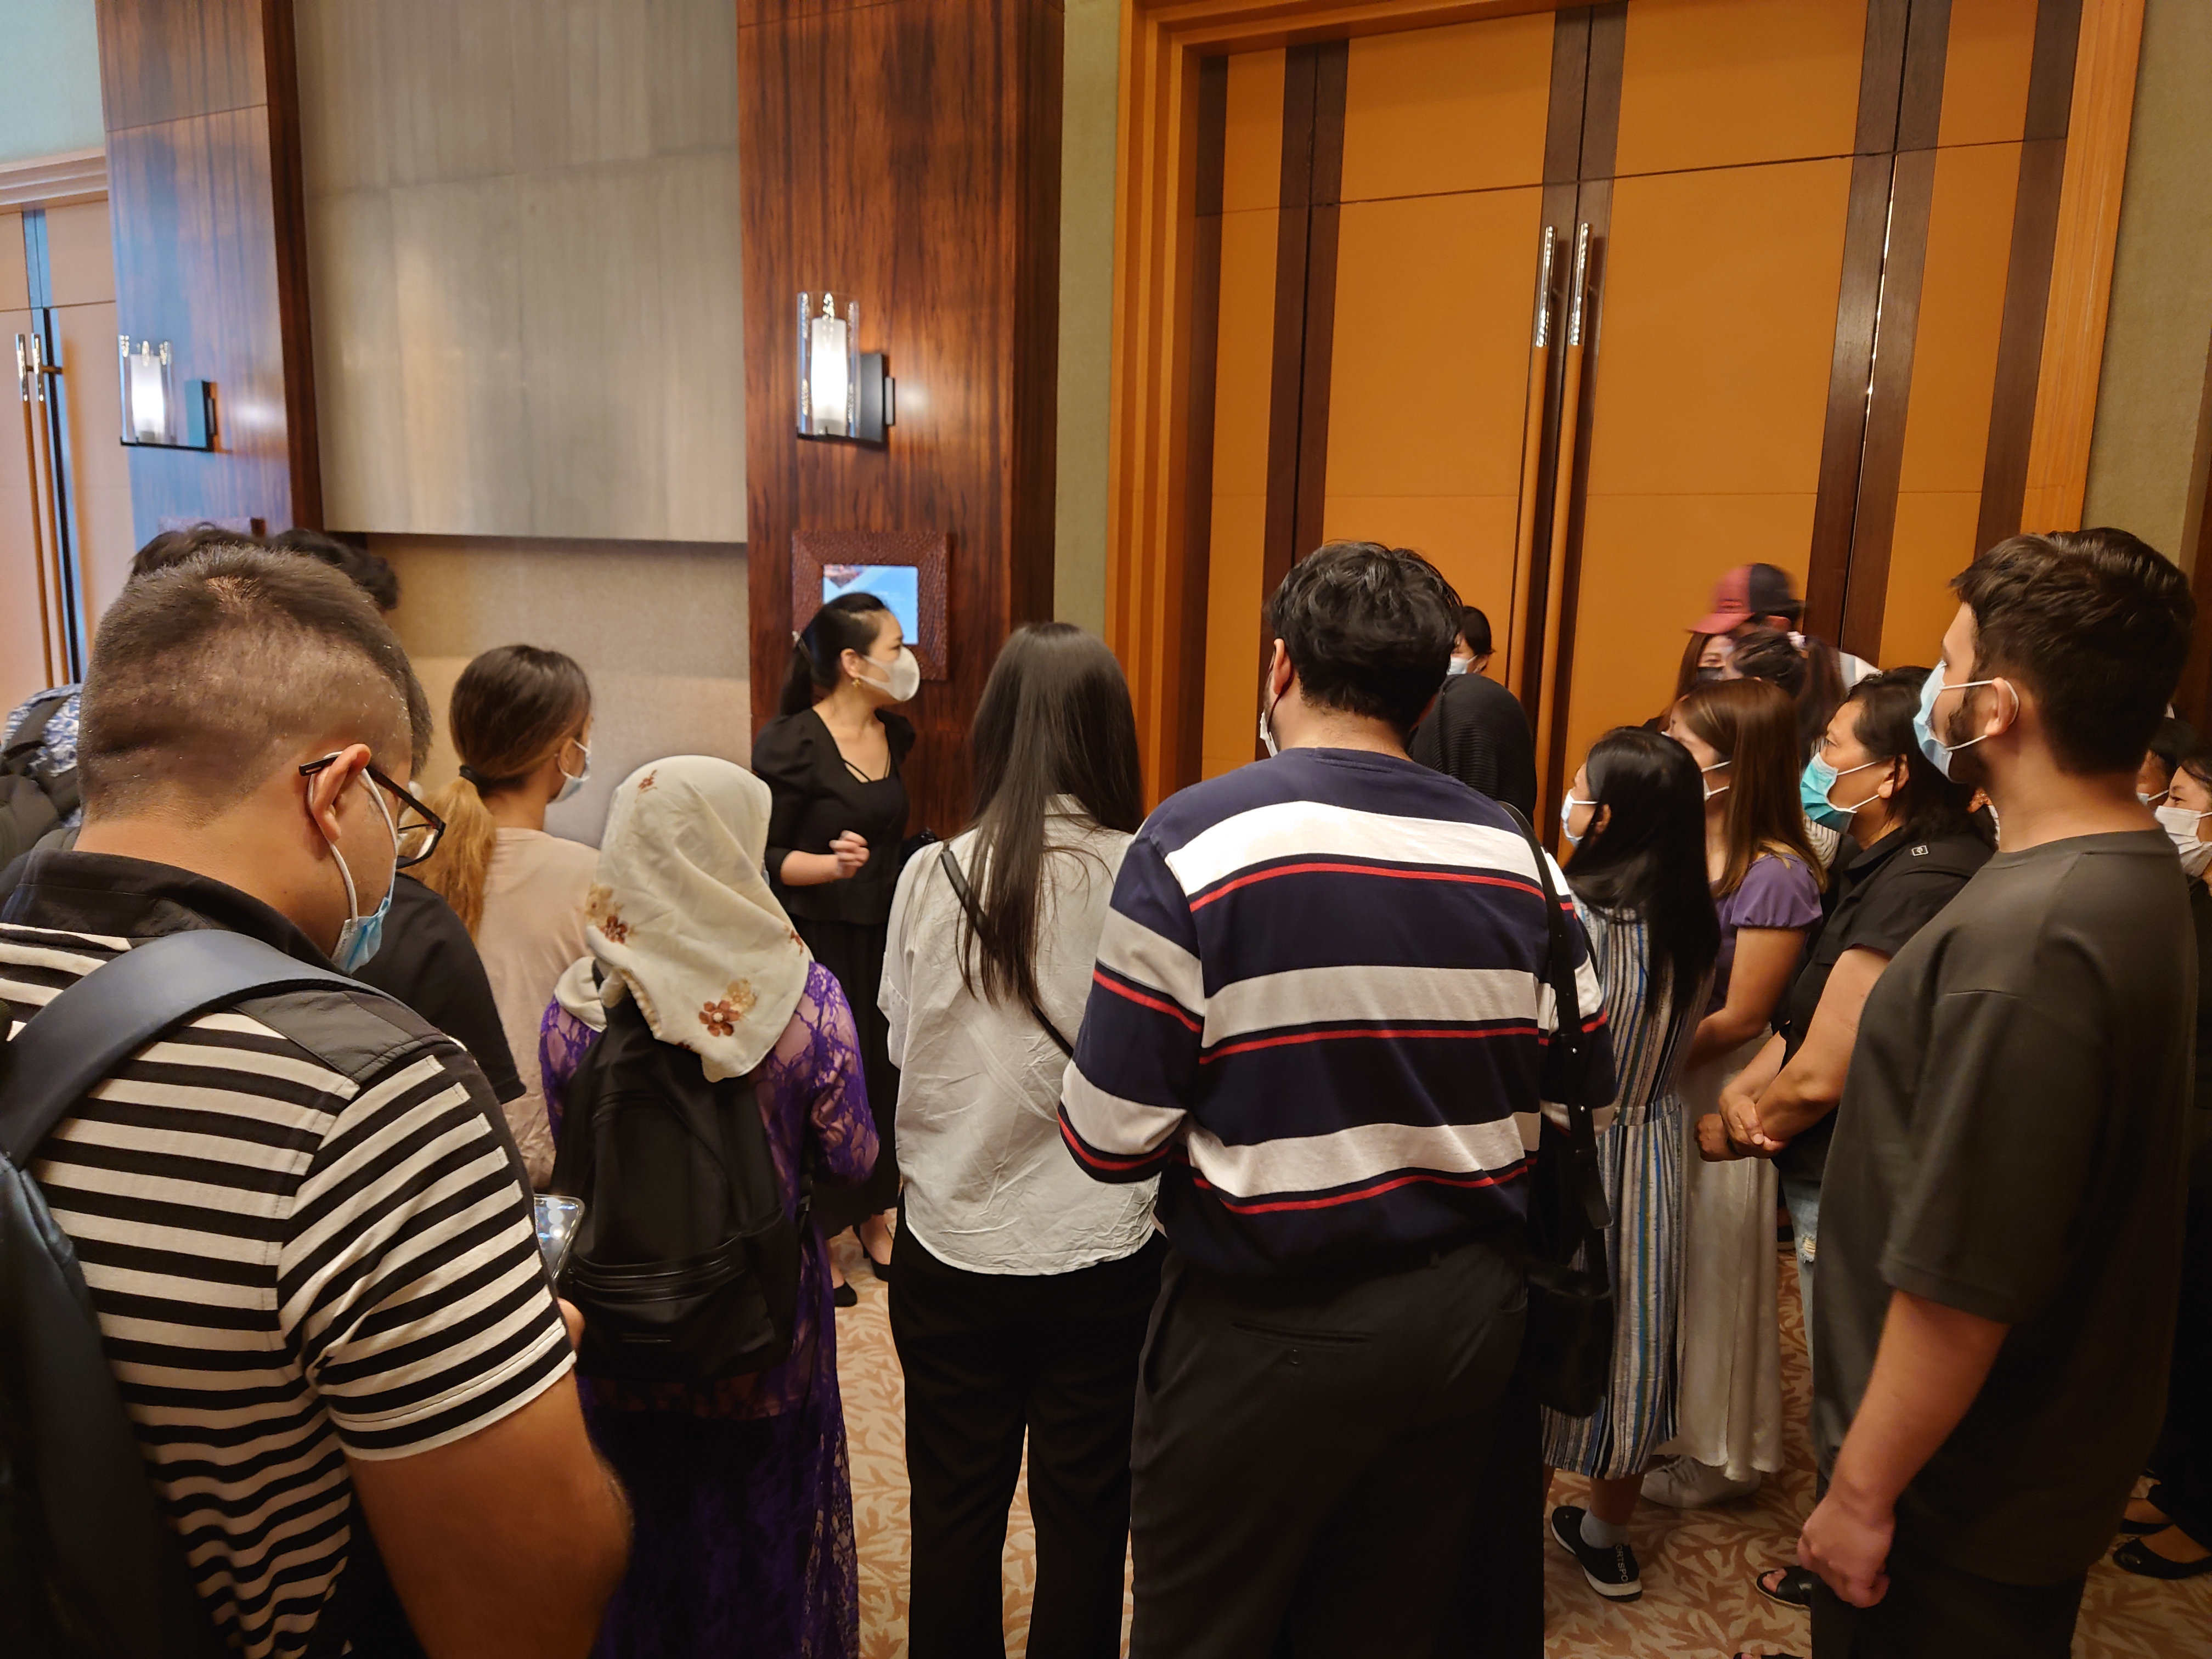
1566 810
902 675
1457 666
1267 730
1715 767
2182 826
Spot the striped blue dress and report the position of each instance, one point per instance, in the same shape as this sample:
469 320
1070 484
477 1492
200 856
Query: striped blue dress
1640 1156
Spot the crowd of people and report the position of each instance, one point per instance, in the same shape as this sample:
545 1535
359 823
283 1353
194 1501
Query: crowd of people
1294 1179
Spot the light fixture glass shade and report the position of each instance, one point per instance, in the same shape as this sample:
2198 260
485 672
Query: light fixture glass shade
149 402
827 367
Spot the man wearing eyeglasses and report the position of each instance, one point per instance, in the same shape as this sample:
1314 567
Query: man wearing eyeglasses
303 1229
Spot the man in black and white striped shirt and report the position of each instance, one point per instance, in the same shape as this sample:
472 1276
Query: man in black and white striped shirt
303 1228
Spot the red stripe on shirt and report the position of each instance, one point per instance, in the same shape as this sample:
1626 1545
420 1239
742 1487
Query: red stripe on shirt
1328 868
1489 1178
1363 1031
1143 1001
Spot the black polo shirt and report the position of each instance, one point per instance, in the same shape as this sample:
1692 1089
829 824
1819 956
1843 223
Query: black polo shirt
1881 896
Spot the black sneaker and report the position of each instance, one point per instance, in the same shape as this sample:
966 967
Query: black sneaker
1612 1572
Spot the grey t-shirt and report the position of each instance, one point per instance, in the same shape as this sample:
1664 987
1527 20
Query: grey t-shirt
2010 1143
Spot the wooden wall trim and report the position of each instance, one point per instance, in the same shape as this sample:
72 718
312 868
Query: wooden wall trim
61 180
2087 232
2028 273
1204 357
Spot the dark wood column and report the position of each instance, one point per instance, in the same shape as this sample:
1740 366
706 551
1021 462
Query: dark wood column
202 111
907 155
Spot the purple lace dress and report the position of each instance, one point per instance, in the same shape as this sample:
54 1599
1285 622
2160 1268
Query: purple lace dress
741 1498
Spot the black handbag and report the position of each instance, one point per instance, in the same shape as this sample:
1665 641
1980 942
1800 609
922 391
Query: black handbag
1567 1352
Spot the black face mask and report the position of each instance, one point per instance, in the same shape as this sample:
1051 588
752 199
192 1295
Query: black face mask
1708 672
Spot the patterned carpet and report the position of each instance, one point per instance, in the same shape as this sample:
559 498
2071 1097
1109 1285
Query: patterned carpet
1698 1566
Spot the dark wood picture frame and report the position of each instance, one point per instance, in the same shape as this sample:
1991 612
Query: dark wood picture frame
929 551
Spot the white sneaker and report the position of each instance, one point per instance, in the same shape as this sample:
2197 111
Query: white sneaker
1683 1483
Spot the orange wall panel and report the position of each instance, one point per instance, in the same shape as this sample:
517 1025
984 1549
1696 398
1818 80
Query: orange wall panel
1468 538
100 465
81 254
1985 65
1713 353
1252 134
1438 110
1954 365
1709 83
1232 632
1435 302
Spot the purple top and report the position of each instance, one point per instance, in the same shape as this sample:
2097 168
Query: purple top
1778 891
812 1095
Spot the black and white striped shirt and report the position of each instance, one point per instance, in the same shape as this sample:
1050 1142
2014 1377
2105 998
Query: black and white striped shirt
305 1238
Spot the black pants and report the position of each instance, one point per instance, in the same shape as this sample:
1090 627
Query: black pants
2182 1460
1308 1451
988 1356
1937 1612
1498 1612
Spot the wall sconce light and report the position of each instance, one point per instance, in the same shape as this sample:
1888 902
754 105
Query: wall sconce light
154 415
842 392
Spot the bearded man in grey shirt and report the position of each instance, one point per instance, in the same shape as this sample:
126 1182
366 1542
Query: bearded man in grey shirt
2001 1224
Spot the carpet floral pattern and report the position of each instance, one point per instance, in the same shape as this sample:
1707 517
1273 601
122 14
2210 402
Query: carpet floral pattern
1699 1600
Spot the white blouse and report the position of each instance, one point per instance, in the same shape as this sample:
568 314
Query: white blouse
989 1185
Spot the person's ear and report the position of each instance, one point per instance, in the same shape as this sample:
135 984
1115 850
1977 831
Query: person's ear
1279 672
2004 708
1599 819
327 789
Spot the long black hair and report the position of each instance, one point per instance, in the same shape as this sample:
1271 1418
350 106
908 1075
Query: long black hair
848 623
1926 803
1054 719
1648 860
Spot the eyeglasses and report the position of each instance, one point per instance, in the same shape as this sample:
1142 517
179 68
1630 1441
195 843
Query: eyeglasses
419 828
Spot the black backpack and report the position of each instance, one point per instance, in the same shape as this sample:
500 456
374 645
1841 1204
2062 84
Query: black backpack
34 796
685 1264
88 1567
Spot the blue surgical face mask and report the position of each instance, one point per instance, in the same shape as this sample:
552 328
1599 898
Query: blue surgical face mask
1939 753
360 936
573 781
1813 789
1457 666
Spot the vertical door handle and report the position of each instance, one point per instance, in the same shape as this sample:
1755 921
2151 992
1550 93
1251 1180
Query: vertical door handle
30 380
1563 495
1532 458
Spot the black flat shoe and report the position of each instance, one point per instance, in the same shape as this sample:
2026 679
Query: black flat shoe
1791 1587
2138 1528
2139 1559
880 1269
845 1296
1611 1572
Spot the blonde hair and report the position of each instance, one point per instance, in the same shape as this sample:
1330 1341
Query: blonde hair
513 707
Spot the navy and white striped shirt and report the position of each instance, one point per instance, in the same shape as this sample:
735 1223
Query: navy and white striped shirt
1319 1002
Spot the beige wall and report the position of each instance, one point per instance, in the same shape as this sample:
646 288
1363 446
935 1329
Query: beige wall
659 626
1093 56
522 230
2147 459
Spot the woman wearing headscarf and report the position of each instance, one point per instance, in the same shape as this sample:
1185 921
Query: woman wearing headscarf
743 1503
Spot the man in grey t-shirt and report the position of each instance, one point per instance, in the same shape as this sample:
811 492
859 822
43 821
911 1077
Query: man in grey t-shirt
2001 1226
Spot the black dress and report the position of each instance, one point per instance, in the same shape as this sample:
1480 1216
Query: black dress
845 923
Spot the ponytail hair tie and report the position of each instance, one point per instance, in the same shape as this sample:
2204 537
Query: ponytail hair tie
472 775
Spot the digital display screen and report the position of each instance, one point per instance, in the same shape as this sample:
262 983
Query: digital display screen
898 586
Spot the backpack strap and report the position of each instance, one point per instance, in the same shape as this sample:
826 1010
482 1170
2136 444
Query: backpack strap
967 897
1559 969
116 1010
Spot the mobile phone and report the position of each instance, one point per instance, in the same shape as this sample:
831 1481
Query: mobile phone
558 1218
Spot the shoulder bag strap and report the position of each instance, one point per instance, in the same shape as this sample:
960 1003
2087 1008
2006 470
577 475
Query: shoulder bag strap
1560 969
966 895
119 1007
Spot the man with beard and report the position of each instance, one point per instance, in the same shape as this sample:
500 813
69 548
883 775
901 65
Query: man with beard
2000 1231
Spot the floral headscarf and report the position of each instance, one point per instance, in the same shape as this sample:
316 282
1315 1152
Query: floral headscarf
682 914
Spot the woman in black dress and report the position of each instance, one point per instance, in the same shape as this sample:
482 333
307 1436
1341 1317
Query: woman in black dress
831 759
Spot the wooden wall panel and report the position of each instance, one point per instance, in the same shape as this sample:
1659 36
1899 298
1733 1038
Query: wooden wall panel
1986 85
907 155
1449 109
1708 399
1251 185
1720 83
201 107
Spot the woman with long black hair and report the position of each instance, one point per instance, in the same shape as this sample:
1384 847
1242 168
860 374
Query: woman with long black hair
831 760
1636 815
1023 1286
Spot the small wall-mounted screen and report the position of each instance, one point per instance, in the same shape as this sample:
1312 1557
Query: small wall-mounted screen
895 585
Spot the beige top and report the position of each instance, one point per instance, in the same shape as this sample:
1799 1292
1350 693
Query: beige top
533 927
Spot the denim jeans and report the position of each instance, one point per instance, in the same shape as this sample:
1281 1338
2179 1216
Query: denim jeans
1802 1197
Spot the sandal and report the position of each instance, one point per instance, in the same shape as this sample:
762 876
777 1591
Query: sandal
1789 1587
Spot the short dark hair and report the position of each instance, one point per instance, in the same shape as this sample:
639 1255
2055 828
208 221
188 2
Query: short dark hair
372 573
1474 628
1368 628
2172 740
174 546
2096 624
207 675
